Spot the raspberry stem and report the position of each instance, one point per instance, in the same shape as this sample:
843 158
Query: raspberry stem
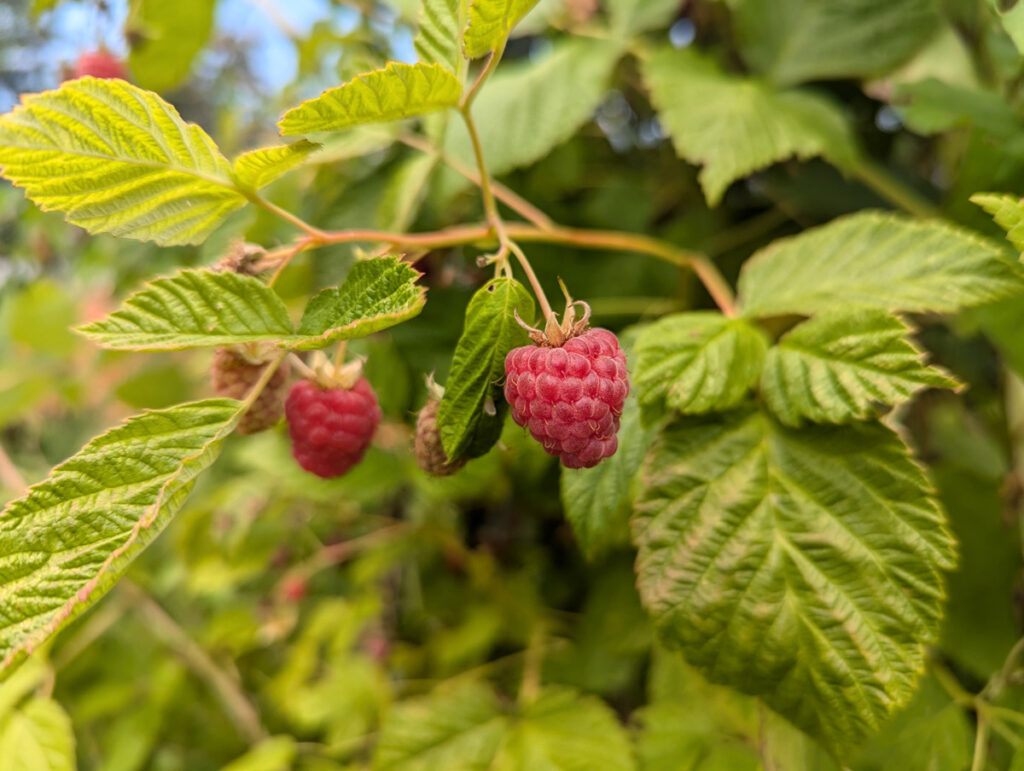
259 385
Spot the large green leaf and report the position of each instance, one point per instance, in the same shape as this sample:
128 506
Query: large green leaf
397 91
458 728
440 33
697 362
801 566
836 367
376 294
490 22
564 731
596 499
797 40
880 261
258 168
117 159
472 410
1008 213
627 17
192 309
528 108
166 38
67 541
733 125
37 736
462 727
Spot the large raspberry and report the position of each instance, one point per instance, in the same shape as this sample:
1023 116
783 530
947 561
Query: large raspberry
430 454
331 428
570 396
100 64
233 373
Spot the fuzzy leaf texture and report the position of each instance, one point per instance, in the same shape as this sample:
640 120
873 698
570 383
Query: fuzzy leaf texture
258 168
1008 213
194 309
801 566
697 362
471 412
375 295
439 38
117 159
734 126
69 539
462 726
791 41
395 92
38 736
838 366
530 107
879 261
490 22
594 499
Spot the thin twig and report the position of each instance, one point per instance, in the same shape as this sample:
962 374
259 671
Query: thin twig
235 701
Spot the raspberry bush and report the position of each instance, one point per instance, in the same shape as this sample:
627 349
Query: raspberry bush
751 500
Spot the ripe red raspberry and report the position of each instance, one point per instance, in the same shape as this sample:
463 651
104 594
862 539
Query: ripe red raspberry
331 428
570 396
233 373
100 64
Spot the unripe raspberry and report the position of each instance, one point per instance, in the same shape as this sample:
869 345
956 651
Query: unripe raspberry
430 454
100 64
570 396
233 374
331 428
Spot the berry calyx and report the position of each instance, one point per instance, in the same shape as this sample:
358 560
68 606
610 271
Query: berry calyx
100 64
233 374
569 389
430 454
332 418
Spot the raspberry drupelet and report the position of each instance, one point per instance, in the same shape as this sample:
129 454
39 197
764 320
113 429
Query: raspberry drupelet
332 422
568 390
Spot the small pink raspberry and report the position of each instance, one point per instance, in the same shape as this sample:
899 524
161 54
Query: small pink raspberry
100 64
331 423
569 389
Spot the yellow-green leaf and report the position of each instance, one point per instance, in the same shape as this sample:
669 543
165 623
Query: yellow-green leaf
258 168
395 92
117 159
490 22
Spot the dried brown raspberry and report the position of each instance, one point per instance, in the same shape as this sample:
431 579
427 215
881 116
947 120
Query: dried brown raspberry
235 371
430 454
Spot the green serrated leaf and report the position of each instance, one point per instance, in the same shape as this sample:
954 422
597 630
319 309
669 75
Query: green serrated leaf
37 736
166 38
117 159
194 309
490 22
564 731
595 499
791 41
472 398
734 126
528 108
258 168
439 40
879 261
457 727
397 91
67 541
838 366
376 294
1008 213
801 566
697 362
